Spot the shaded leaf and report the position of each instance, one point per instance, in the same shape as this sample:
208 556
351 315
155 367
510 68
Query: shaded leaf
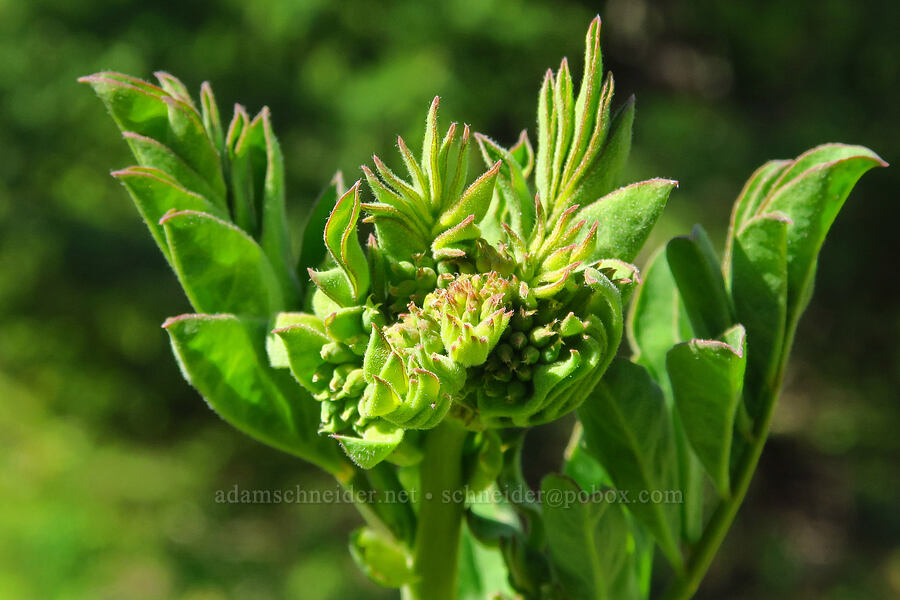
707 380
627 428
697 273
759 290
590 541
381 558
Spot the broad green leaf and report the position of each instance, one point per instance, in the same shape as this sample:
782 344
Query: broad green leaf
155 193
165 118
312 249
657 321
223 357
385 561
343 245
221 269
603 175
812 200
628 429
626 217
707 380
697 273
377 441
590 541
759 291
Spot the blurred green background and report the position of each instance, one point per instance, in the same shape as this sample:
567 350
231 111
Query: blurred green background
110 462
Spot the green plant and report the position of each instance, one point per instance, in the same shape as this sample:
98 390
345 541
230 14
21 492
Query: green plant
410 368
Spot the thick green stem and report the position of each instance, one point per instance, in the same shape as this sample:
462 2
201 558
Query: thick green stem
703 553
436 553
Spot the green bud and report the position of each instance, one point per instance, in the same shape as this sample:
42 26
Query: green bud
523 320
523 373
570 326
504 352
516 391
530 355
541 336
355 382
551 352
323 374
518 340
336 353
426 278
503 375
404 269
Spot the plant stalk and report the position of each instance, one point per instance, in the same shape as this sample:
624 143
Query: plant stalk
436 552
685 586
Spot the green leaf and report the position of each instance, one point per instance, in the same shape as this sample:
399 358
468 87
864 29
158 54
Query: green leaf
707 380
812 200
657 321
482 572
152 112
224 358
381 558
221 269
751 197
343 245
174 87
628 429
474 201
590 541
759 290
275 348
697 273
603 174
155 193
312 249
546 133
302 339
275 240
212 122
626 217
517 199
258 186
151 153
378 440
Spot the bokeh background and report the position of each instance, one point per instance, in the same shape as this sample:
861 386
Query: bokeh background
109 463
